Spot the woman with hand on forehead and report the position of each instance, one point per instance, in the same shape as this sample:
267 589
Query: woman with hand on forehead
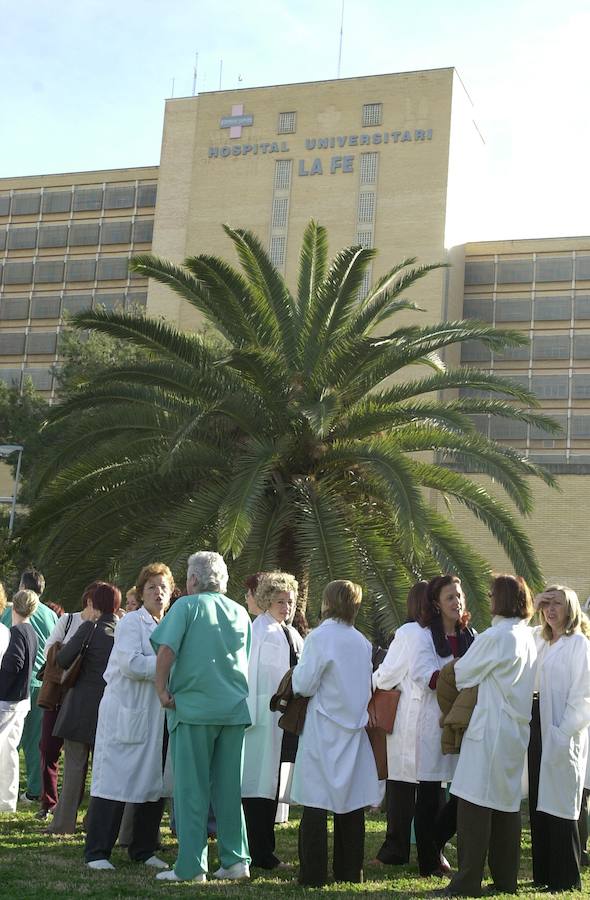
558 746
130 750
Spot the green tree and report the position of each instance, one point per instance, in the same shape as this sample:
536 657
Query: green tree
293 439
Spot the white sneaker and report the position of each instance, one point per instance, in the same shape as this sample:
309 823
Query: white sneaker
156 862
171 875
238 870
100 864
27 800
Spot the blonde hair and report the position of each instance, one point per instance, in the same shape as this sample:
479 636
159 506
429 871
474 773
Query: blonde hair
341 600
3 598
272 583
25 603
146 573
577 622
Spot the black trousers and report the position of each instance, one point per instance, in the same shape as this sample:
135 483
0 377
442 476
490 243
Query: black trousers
435 822
555 841
485 832
349 846
400 803
103 823
260 815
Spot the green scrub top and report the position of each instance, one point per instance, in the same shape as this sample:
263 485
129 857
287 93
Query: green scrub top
210 636
43 621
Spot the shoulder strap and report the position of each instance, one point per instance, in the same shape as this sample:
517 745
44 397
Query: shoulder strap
68 623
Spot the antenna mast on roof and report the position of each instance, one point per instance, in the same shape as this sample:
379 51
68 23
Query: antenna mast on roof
195 68
172 94
220 72
341 35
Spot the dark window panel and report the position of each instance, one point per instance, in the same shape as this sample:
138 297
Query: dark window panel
57 201
49 271
74 303
474 392
555 346
11 377
119 197
513 310
507 429
112 268
522 378
583 268
539 434
26 204
146 195
553 309
480 423
18 273
582 307
550 387
582 346
22 238
479 272
45 307
87 199
53 236
115 232
143 231
4 204
84 234
80 270
14 308
2 238
136 298
559 268
581 387
42 378
482 310
517 353
110 301
42 342
580 427
12 343
515 271
475 351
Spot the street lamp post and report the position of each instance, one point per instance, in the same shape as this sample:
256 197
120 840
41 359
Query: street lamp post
7 450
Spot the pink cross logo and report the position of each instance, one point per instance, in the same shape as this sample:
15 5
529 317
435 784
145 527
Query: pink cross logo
236 121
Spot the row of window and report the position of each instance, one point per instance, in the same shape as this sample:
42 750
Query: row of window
52 306
372 115
554 346
544 309
545 387
42 377
511 430
56 271
522 271
77 234
78 199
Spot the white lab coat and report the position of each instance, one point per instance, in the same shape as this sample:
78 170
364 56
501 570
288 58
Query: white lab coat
564 707
127 759
431 764
4 639
491 762
335 767
394 672
269 660
59 632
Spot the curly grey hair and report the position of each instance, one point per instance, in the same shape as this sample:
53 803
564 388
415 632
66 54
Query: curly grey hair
272 583
209 570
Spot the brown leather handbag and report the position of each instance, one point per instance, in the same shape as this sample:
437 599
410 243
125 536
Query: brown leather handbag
382 709
293 708
52 691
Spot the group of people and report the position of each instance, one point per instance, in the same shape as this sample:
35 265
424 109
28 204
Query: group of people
173 700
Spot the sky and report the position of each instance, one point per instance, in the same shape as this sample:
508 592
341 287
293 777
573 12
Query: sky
83 82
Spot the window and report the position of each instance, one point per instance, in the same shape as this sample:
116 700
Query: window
53 236
369 168
136 298
42 342
476 308
581 387
513 310
74 303
480 423
119 197
283 174
12 343
3 233
522 380
507 429
364 238
515 271
539 434
113 267
45 306
553 308
522 353
143 231
280 207
580 427
582 307
11 377
42 378
4 204
115 232
87 199
110 301
146 195
26 204
582 266
84 234
49 270
80 270
14 308
479 272
554 269
372 114
582 346
550 387
287 122
18 273
366 212
277 251
475 351
365 285
555 346
57 201
22 238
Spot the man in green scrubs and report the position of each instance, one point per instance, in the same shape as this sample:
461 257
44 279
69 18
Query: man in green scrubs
43 621
203 645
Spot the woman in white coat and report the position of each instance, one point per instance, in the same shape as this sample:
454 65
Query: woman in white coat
335 768
445 635
488 776
559 738
400 791
130 752
276 647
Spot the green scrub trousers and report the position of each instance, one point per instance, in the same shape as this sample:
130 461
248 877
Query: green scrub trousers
207 762
29 742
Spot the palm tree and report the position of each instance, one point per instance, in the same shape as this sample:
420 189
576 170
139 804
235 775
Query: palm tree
287 436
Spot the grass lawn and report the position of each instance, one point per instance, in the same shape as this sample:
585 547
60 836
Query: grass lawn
36 865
